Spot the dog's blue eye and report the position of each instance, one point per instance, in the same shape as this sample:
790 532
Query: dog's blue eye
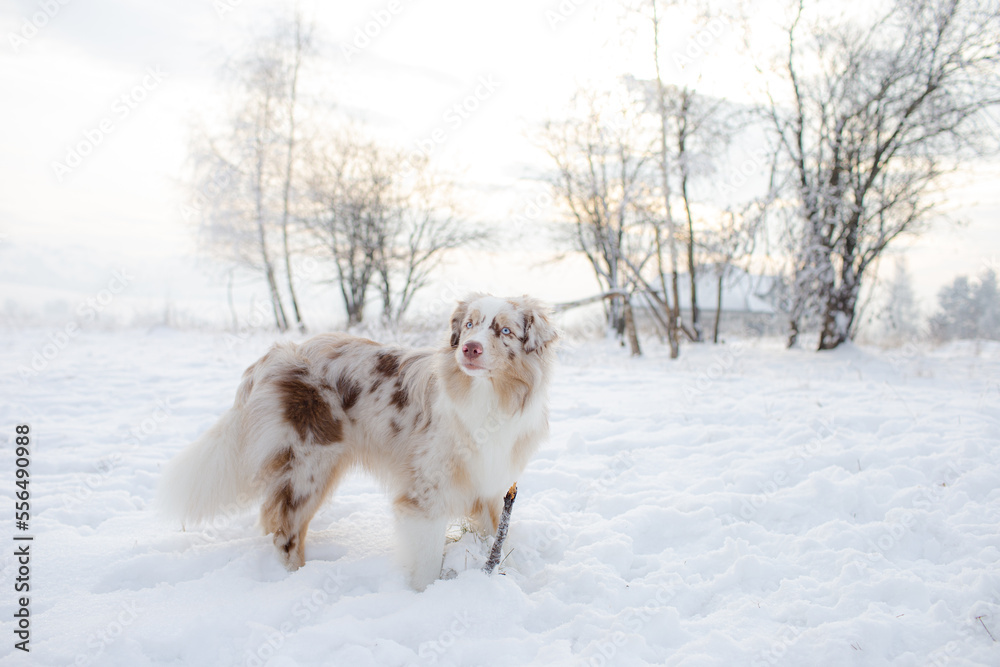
468 325
505 331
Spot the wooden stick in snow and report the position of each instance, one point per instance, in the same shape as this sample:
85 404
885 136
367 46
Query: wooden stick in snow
508 503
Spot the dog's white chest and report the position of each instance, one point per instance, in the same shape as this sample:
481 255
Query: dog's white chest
491 464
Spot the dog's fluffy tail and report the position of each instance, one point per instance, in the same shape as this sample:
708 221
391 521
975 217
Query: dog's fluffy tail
209 475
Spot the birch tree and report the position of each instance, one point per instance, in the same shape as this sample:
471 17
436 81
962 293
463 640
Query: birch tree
244 165
874 112
691 128
673 311
383 219
294 45
602 164
423 226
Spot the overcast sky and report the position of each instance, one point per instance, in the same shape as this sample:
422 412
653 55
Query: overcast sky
126 80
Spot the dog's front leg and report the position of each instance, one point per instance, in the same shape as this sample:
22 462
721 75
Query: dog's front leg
421 546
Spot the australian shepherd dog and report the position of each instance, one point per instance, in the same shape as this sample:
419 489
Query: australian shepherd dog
447 431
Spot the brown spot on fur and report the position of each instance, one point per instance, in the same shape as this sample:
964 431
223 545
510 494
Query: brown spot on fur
406 504
396 428
287 514
400 398
307 411
457 319
349 391
529 319
287 497
278 510
387 363
280 463
333 431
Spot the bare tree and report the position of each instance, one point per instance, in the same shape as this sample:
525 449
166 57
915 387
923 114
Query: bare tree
687 125
235 171
347 186
422 227
877 112
293 47
673 312
243 172
702 128
602 172
384 220
695 130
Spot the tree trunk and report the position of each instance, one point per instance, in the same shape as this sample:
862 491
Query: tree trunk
668 311
673 312
840 303
355 307
633 337
289 160
291 286
695 334
280 319
793 332
232 304
692 271
718 306
838 317
355 311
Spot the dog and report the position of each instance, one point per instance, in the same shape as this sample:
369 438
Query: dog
447 431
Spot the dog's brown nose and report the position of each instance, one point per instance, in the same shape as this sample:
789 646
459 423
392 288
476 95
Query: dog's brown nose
472 350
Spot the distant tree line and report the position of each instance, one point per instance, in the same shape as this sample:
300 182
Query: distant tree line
861 117
968 309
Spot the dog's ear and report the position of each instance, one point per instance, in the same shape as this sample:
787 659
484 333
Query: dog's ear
457 320
538 329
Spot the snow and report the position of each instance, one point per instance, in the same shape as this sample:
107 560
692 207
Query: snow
743 505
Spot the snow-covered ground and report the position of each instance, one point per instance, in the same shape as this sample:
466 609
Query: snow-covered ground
744 505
